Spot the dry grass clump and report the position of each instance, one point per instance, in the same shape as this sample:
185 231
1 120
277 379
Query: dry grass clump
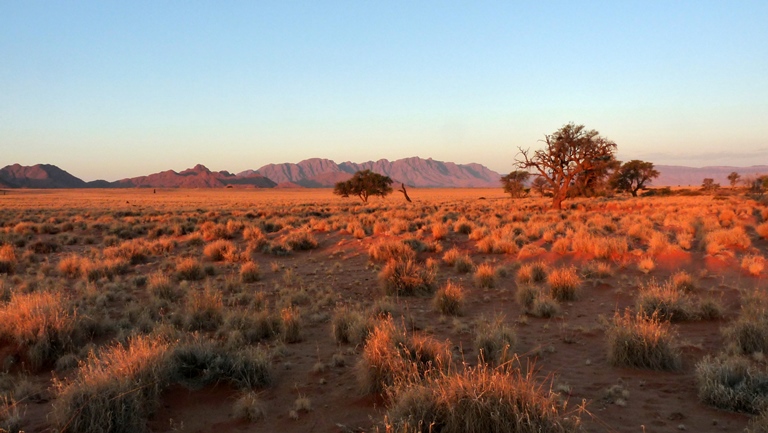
450 256
189 269
564 284
212 231
254 236
221 250
161 286
718 241
114 391
642 341
753 264
495 341
249 407
732 383
300 240
478 400
406 277
532 273
250 272
682 281
386 250
205 310
349 326
291 325
485 276
665 300
596 270
762 230
439 231
40 323
8 259
392 356
749 332
535 302
646 265
449 299
464 264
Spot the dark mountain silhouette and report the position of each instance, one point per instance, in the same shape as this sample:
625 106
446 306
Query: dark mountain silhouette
417 172
676 175
197 177
38 176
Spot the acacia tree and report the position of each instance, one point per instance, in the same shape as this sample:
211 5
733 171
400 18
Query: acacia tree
595 180
364 184
568 152
514 183
733 178
633 176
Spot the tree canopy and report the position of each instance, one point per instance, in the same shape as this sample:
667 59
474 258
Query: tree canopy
514 183
364 184
568 152
633 176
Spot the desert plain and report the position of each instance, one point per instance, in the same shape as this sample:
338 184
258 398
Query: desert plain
296 310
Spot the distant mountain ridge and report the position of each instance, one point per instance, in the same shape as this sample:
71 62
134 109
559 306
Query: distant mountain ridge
38 176
414 171
677 175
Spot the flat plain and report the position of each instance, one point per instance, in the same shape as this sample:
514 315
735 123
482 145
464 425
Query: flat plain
296 310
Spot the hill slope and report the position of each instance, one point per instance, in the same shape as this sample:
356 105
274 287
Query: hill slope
38 176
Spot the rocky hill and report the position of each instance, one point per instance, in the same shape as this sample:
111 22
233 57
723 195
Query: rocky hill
415 171
197 177
38 176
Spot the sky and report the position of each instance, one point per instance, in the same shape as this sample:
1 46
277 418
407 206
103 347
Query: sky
108 90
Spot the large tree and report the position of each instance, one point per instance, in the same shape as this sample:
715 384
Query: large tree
514 183
633 176
568 152
364 184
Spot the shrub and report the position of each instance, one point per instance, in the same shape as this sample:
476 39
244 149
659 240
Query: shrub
439 231
405 277
206 310
732 383
463 264
391 356
596 270
254 236
8 259
544 306
526 295
749 332
564 284
532 273
387 250
189 269
201 362
450 256
39 323
114 391
249 272
162 287
449 299
291 325
70 266
682 281
349 326
220 250
495 341
478 400
666 301
642 341
485 276
300 240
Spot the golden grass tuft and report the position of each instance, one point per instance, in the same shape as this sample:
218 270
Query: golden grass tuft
564 284
406 277
642 341
485 276
449 299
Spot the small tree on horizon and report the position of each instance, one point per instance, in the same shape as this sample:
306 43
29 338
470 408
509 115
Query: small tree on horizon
568 152
514 183
733 178
364 184
633 176
708 184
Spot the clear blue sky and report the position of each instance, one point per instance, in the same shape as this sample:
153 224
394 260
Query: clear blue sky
113 89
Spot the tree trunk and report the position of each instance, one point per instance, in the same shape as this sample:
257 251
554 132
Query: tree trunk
557 200
402 185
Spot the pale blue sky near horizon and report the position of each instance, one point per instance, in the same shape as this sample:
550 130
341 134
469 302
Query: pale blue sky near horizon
108 90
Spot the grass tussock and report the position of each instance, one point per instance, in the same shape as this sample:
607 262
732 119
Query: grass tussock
732 383
748 334
349 326
449 299
485 276
478 400
250 272
666 301
386 250
642 341
189 269
532 273
393 356
564 284
8 259
495 341
407 278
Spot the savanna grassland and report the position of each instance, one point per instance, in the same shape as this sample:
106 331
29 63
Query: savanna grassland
464 311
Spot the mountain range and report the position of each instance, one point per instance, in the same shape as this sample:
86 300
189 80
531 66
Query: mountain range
323 173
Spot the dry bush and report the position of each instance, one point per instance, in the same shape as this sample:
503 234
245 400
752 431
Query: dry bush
392 356
531 273
249 407
495 341
135 251
753 264
732 383
386 250
300 240
205 310
291 325
530 250
718 241
114 391
406 277
349 326
70 266
646 265
485 276
8 259
478 400
450 256
464 264
254 327
212 231
39 323
220 250
667 301
561 246
189 269
749 332
596 270
249 272
463 226
161 286
682 281
449 299
254 236
642 341
439 231
564 284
